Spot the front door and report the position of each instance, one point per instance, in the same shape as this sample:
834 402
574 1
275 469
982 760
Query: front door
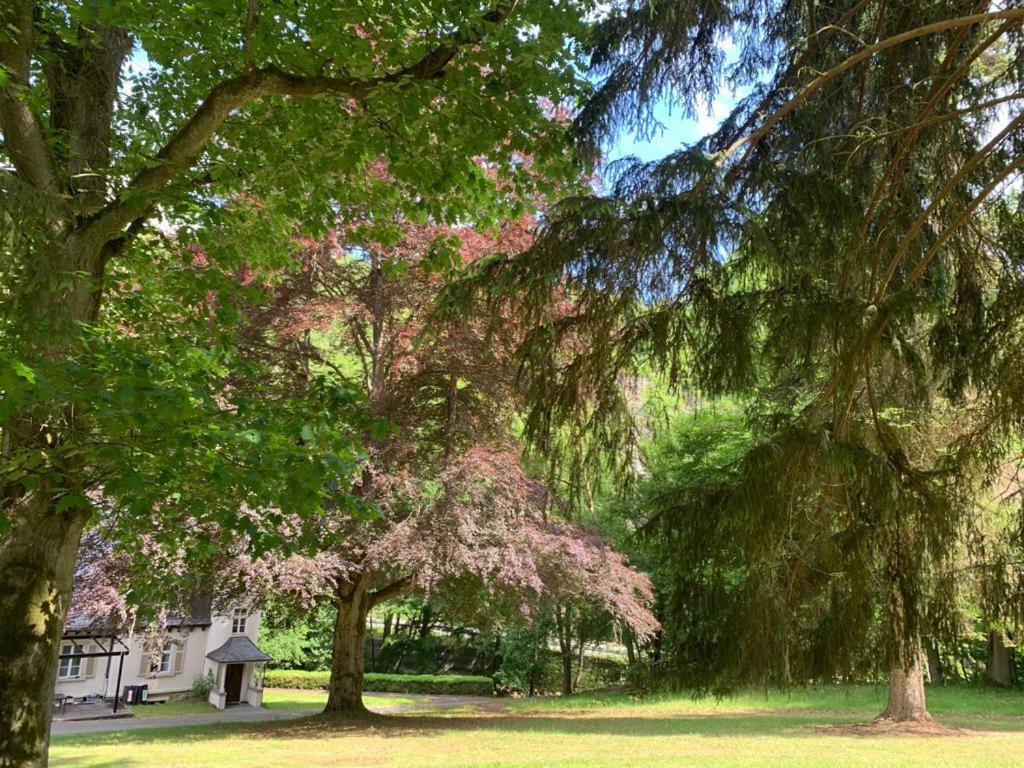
233 683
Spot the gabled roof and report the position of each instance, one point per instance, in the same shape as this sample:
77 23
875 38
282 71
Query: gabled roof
236 650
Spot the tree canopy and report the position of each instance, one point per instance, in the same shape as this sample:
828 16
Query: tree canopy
842 250
133 131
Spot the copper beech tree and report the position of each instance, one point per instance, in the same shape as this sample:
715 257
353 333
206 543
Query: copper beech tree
457 511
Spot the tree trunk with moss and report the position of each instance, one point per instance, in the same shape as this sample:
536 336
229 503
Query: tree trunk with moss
37 562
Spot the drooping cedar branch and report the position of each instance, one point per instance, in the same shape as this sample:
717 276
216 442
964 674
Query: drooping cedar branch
768 123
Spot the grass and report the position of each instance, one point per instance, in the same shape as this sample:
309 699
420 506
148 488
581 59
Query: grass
591 732
865 700
281 698
273 698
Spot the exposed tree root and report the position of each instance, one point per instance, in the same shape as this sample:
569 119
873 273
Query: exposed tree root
884 726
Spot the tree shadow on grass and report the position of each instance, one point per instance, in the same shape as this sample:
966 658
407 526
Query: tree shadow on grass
731 725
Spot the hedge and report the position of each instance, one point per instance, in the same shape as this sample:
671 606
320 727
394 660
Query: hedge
469 685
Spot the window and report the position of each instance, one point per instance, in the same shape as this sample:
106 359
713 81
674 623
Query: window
70 667
238 621
166 661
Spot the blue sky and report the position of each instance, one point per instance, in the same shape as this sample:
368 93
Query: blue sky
678 130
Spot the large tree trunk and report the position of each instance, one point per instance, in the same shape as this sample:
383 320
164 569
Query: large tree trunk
62 288
37 562
906 688
345 693
906 676
906 685
999 667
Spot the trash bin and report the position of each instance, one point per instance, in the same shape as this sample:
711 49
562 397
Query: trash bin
130 694
143 693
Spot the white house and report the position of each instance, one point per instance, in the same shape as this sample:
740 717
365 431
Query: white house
221 646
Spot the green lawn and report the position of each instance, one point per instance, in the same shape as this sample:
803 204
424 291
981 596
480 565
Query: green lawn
280 698
944 702
273 698
591 732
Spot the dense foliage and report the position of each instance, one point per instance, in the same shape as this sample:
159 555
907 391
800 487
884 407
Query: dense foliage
845 251
133 131
461 520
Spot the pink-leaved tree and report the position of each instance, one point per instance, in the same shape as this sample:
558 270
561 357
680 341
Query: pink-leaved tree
456 508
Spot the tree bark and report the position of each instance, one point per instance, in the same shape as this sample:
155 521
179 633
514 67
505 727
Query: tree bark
906 685
580 657
37 562
563 625
934 664
999 667
345 693
627 640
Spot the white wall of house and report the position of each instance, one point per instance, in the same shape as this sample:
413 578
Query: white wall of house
221 630
188 659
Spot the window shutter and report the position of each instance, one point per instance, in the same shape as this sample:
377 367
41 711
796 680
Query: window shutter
179 657
90 664
144 662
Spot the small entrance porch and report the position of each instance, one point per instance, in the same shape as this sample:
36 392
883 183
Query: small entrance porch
237 668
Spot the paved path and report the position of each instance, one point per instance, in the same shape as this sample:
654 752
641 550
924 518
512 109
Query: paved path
243 713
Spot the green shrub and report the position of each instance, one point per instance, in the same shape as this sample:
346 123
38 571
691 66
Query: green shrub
522 654
599 674
381 683
419 653
203 684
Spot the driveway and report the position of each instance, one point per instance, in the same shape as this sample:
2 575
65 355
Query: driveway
243 713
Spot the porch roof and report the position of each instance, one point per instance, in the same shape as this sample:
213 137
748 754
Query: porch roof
237 649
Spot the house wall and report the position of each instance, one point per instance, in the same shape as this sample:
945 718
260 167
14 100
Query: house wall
91 679
195 642
220 632
191 642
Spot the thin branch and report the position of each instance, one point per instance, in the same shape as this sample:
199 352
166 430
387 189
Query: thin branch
939 198
918 270
252 18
